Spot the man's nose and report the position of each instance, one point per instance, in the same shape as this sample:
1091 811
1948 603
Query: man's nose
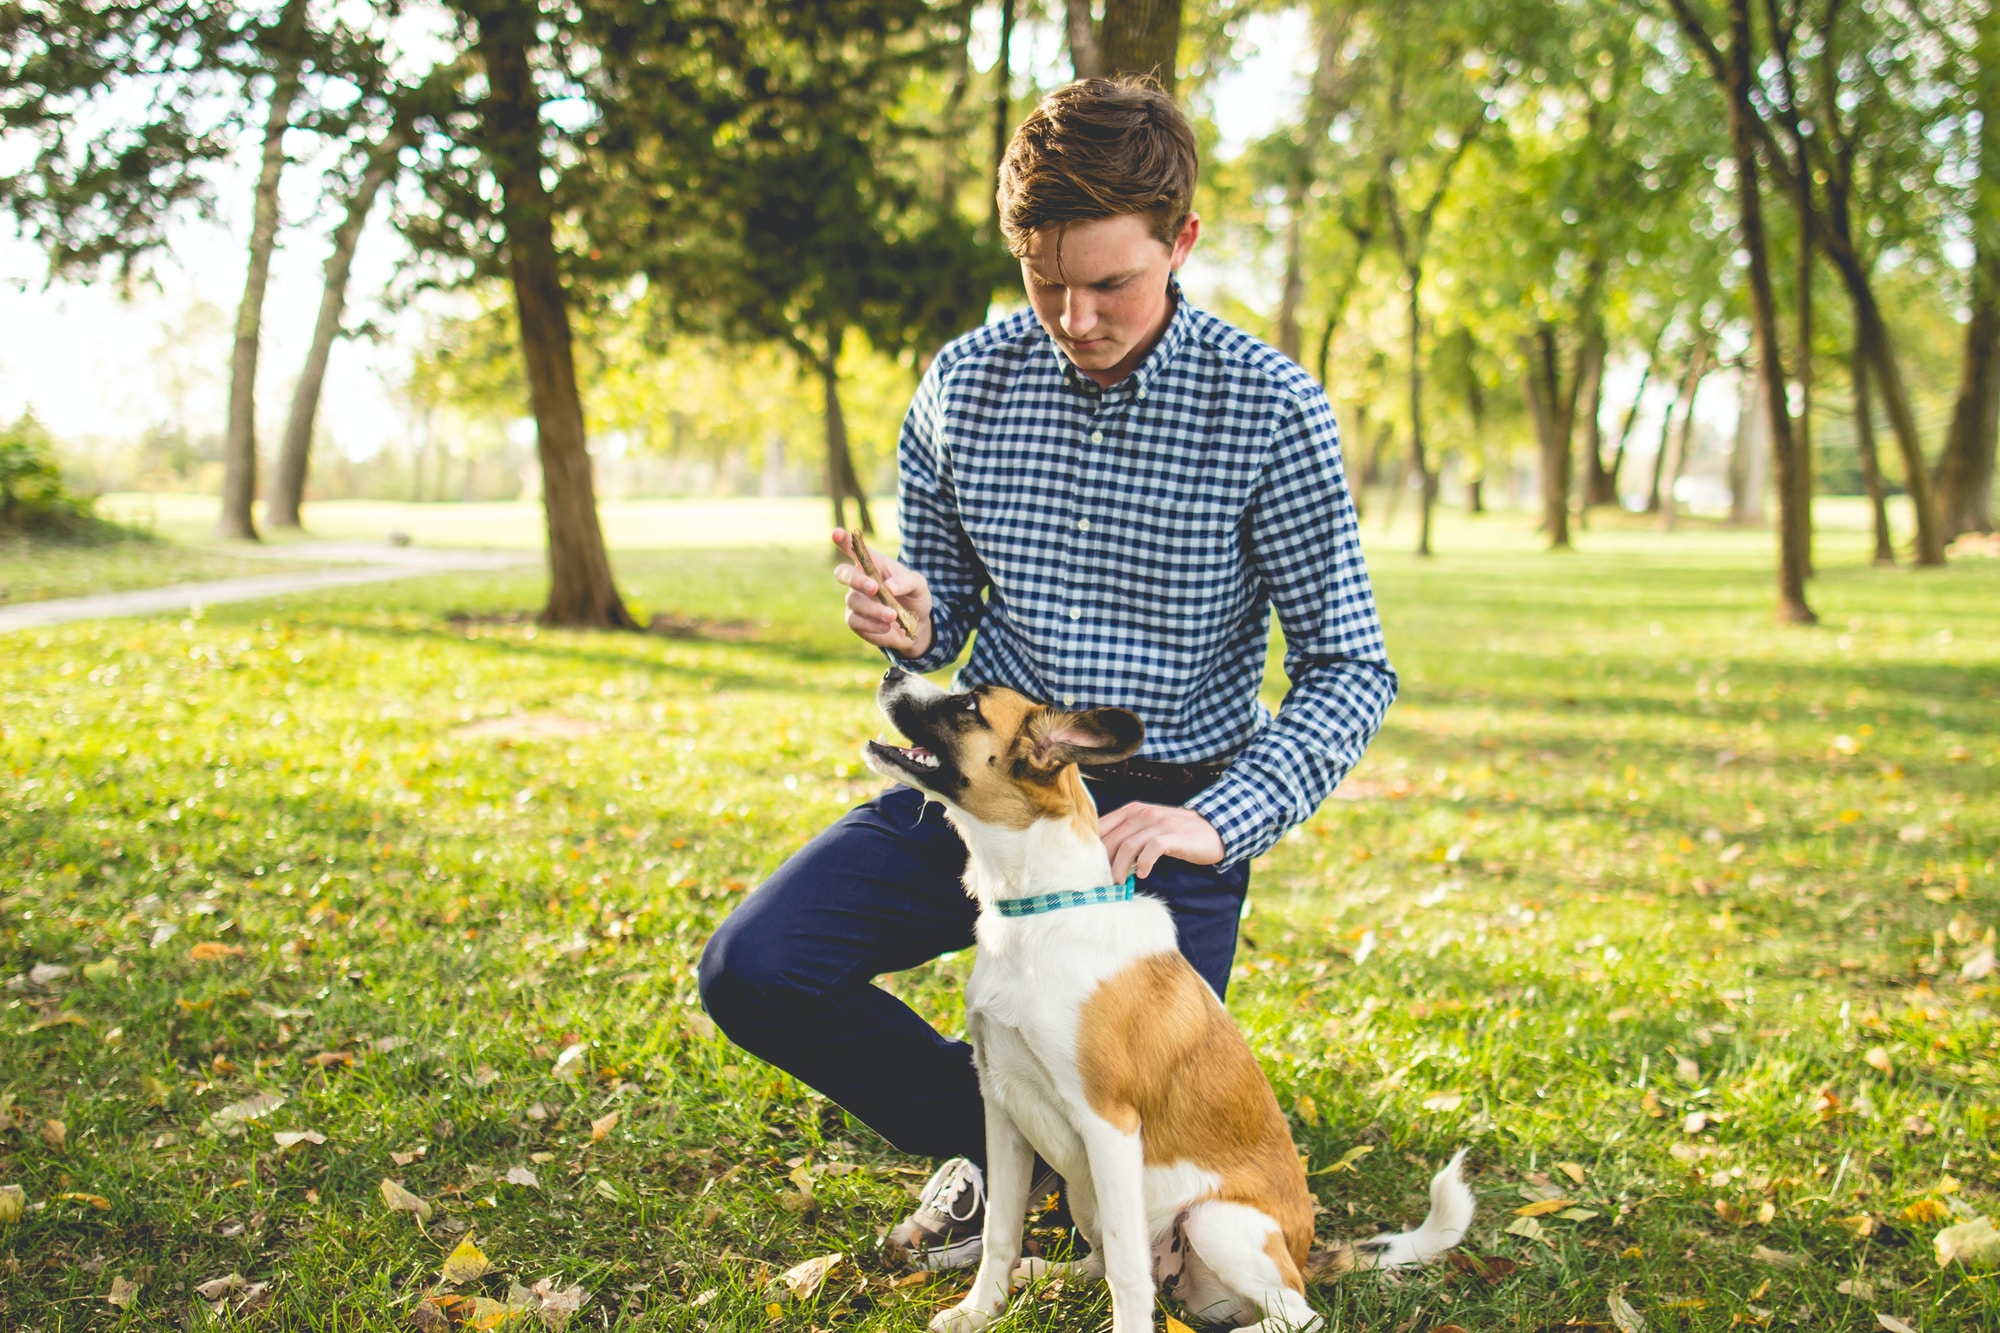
1079 313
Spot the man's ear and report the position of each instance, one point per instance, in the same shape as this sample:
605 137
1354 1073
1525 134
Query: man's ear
1098 736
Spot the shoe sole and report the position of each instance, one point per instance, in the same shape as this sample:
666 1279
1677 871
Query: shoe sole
959 1254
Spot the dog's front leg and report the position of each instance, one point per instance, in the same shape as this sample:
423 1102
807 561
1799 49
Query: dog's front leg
1010 1167
1118 1170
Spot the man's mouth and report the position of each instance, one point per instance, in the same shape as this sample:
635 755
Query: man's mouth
914 755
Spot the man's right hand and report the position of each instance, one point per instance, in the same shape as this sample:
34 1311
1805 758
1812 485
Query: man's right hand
868 617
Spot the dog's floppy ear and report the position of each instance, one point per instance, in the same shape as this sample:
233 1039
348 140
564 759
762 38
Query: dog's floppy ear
1097 736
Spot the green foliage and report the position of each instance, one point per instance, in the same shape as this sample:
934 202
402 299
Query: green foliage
33 497
1613 823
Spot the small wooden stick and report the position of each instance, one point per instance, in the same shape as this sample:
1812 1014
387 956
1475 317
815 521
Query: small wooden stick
866 559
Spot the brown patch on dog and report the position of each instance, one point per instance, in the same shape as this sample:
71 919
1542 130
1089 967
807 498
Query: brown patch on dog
1016 776
1288 1267
1142 1036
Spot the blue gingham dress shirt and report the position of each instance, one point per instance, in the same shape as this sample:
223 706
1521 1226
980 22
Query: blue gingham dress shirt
1125 546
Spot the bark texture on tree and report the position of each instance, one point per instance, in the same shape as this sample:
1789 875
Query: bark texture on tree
1965 471
1081 30
841 482
288 475
239 440
1871 463
1426 477
1553 408
582 592
1794 525
1141 37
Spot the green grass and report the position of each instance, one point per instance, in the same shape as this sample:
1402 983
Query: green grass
1623 846
33 570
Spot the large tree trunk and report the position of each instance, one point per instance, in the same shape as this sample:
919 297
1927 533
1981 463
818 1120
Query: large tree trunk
288 478
1589 389
1293 294
1003 89
1794 525
1141 37
582 591
841 480
239 441
1080 28
1871 463
1426 479
1965 471
1554 409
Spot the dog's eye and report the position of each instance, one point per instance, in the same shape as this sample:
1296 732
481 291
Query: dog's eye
971 703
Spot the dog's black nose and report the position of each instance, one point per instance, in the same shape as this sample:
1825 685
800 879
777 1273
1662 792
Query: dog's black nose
892 674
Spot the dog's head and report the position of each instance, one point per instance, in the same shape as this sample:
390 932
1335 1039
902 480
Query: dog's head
995 754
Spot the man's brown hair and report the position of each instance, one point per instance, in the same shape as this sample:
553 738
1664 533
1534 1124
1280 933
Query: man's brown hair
1098 148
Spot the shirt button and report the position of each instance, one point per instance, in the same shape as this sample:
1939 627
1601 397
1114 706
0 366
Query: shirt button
1069 701
1076 613
1083 525
1097 437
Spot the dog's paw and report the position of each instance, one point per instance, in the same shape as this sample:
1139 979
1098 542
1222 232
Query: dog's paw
962 1319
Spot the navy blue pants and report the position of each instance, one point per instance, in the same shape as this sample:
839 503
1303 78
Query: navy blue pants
789 975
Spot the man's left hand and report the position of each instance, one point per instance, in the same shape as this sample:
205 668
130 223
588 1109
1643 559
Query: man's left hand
1137 835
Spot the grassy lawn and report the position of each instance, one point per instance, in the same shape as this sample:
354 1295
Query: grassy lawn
33 571
1661 909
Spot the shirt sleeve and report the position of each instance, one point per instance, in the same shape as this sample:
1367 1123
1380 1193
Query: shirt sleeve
934 541
1304 545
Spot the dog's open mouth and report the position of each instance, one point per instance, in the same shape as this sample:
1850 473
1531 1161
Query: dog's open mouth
915 756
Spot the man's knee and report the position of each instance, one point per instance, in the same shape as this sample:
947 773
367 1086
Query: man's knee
741 984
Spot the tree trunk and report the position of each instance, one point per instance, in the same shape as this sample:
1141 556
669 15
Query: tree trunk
1746 456
1677 465
239 441
1871 464
1425 479
1794 525
1965 471
1589 389
1554 420
1475 495
1660 457
288 479
1141 37
841 480
1085 56
1294 291
1609 494
582 591
1003 89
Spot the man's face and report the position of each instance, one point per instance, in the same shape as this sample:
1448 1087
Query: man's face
1100 289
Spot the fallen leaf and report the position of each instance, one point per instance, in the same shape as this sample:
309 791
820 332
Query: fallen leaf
557 1305
488 1313
13 1203
1487 1268
804 1279
601 1127
1980 966
1444 1101
1695 1122
1623 1317
402 1201
292 1138
1925 1211
405 1158
384 1045
1572 1170
569 1064
1650 1104
65 1019
428 1318
1975 1244
484 1076
328 1059
1174 1325
1687 1070
97 1201
1347 1160
1860 1288
465 1264
1893 1324
250 1108
55 1134
1877 1058
1543 1207
216 1288
1764 1254
1308 1110
1577 1214
1526 1227
123 1293
521 1175
212 951
1860 1226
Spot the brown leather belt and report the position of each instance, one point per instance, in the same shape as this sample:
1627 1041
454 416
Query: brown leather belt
1185 778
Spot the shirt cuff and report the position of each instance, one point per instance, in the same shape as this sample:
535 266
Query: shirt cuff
1248 822
930 661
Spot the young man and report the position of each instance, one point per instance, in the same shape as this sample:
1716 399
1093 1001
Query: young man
1113 489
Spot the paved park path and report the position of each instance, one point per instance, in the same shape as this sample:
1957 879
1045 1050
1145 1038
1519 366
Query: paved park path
359 562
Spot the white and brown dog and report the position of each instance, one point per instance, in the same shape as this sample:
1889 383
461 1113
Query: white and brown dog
1099 1046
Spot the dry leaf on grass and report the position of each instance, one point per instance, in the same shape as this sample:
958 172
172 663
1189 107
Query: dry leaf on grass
1347 1160
803 1280
216 1288
405 1158
465 1264
1623 1316
13 1203
1543 1207
521 1175
1892 1324
1444 1101
1877 1058
288 1139
601 1127
1764 1254
123 1293
558 1304
402 1201
1487 1268
1572 1170
1525 1227
97 1201
1975 1244
213 951
570 1063
1925 1211
1176 1326
250 1108
1860 1288
55 1135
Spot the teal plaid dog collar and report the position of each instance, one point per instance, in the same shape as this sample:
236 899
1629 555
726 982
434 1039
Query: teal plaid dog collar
1055 902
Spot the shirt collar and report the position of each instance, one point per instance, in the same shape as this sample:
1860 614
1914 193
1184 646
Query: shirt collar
1140 380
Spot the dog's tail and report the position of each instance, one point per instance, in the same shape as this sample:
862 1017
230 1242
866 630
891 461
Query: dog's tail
1443 1227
